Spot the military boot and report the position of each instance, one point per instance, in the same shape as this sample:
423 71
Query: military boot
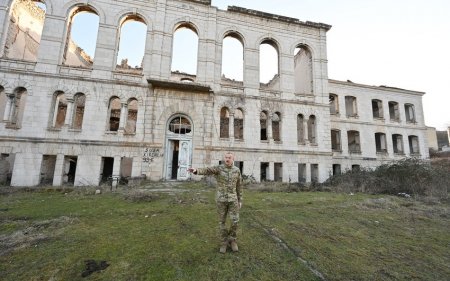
223 248
234 246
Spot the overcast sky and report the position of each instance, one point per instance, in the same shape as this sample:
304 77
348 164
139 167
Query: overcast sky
401 43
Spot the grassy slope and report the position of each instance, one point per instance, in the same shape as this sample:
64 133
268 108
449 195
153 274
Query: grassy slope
344 237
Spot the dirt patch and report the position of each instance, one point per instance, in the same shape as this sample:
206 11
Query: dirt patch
34 233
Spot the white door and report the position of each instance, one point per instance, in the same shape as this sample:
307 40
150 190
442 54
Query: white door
184 159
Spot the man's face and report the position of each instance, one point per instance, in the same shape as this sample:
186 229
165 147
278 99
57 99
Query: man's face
229 159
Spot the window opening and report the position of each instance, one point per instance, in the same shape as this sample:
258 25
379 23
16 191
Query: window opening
238 124
377 109
81 37
263 123
336 140
232 58
276 126
303 77
114 114
185 50
268 61
25 30
224 123
133 36
180 125
354 145
394 114
79 104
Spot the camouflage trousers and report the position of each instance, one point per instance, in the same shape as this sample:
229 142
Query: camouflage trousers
223 209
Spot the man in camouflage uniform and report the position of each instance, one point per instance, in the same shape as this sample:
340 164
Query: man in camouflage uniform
228 198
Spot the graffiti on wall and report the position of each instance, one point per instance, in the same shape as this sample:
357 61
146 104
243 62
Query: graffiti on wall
150 154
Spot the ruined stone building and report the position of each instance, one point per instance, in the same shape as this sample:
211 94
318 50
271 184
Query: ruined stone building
69 117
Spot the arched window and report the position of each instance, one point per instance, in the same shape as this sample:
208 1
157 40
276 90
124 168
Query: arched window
78 111
114 114
59 110
180 125
15 107
303 71
312 129
300 129
185 50
130 127
82 30
233 58
238 124
224 123
263 118
132 38
25 30
276 126
268 64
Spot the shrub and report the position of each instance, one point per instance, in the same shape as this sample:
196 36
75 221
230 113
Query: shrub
410 176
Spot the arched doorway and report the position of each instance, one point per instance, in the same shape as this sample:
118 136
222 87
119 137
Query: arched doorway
178 148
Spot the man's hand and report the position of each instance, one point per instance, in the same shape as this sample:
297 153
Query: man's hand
192 170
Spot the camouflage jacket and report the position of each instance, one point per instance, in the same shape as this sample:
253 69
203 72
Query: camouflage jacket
228 182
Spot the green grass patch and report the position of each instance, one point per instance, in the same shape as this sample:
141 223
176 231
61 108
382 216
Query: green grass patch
153 234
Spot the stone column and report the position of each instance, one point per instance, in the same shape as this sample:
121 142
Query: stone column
8 105
49 54
271 175
269 128
305 130
231 126
251 71
123 116
4 29
59 170
116 171
308 172
69 113
105 52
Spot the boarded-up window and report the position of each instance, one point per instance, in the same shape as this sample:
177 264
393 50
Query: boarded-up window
380 142
276 126
334 104
410 113
413 145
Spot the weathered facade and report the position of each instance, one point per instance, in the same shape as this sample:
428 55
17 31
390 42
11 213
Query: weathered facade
68 118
